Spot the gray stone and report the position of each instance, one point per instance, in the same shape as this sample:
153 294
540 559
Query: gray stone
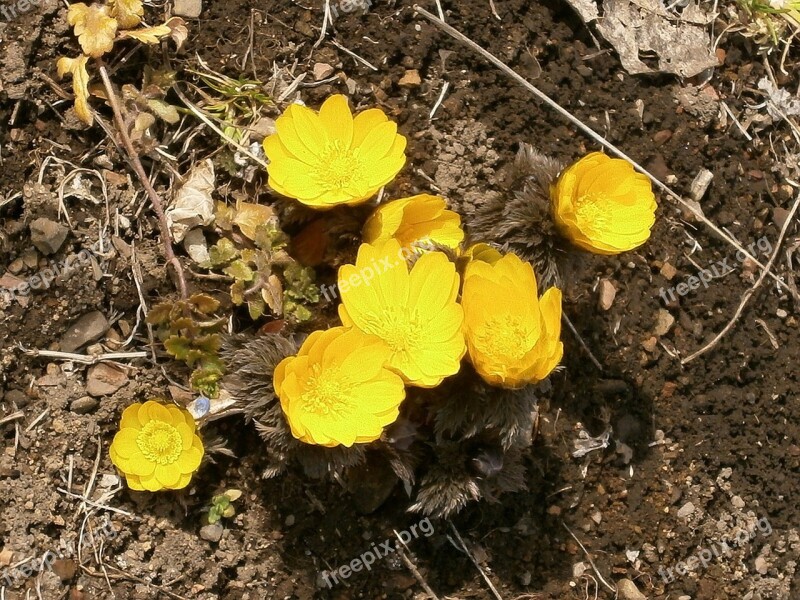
48 235
627 590
212 532
664 322
190 9
88 328
84 405
685 510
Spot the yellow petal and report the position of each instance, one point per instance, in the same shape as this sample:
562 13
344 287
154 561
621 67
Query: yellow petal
124 443
364 122
134 482
130 417
434 282
305 150
189 460
183 481
378 142
154 411
168 475
337 119
151 483
309 126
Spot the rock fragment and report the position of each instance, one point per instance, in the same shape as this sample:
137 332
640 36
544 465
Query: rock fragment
47 235
89 328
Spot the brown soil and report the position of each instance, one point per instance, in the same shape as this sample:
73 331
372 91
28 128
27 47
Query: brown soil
719 435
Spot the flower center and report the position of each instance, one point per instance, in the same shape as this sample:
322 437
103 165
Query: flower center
160 442
399 329
591 211
506 336
339 167
325 391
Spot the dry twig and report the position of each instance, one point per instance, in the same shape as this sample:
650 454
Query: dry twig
136 164
749 293
457 35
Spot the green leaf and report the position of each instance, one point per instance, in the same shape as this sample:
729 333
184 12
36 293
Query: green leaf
206 382
239 270
255 306
165 112
237 293
269 237
159 314
178 346
209 343
222 252
224 215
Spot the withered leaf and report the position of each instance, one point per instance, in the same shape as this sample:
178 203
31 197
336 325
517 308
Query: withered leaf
249 216
128 13
80 84
95 28
148 35
272 293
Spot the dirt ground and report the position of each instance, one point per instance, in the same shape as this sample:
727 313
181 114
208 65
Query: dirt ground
700 455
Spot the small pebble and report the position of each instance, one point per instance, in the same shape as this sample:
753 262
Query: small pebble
627 590
84 405
190 9
761 565
607 293
212 532
685 510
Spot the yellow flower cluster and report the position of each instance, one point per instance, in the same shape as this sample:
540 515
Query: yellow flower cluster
414 304
406 322
409 313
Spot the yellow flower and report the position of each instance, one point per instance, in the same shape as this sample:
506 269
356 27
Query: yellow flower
414 312
602 205
480 251
337 389
415 221
156 447
513 336
330 158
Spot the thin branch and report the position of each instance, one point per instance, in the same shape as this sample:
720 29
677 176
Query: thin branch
155 200
455 34
749 293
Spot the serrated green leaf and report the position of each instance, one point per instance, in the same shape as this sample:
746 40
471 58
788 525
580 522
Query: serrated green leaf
224 215
237 293
165 112
178 346
209 343
239 270
222 252
159 314
255 306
